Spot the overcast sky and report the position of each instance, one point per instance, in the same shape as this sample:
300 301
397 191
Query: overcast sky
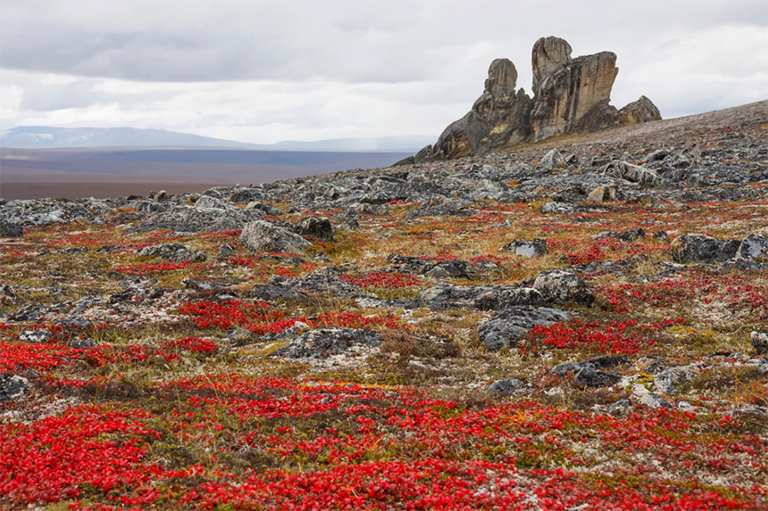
265 71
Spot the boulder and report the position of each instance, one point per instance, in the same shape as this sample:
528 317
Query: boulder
206 202
552 160
319 228
504 298
638 112
173 252
635 174
563 287
12 385
536 247
602 194
753 247
261 236
324 342
699 248
35 336
508 386
759 342
11 230
510 326
190 219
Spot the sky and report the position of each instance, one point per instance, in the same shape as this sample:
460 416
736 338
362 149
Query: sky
268 71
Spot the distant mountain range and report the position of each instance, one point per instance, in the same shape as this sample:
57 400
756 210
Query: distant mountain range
44 137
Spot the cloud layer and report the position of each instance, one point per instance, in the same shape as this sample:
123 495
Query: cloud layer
269 71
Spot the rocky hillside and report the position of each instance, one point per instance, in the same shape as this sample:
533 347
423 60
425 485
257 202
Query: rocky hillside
578 324
570 95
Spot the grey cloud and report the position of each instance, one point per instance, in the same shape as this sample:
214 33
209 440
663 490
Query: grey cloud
385 42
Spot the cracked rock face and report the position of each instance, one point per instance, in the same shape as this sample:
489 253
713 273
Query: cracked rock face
563 287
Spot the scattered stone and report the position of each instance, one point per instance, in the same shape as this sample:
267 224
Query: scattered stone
504 298
562 287
207 202
35 336
510 326
635 174
276 287
590 377
11 230
759 342
536 247
173 252
260 236
324 342
552 160
602 194
12 386
699 248
661 236
76 322
626 236
620 407
320 228
561 208
508 386
227 250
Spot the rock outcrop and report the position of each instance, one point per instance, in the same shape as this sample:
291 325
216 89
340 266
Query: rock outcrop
498 118
570 96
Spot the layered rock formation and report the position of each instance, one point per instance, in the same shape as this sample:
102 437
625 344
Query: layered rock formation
570 96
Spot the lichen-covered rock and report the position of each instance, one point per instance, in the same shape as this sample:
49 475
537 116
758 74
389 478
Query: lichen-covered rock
324 342
190 219
206 202
753 247
261 236
510 326
699 248
563 287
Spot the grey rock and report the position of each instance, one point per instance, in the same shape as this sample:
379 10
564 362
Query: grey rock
11 230
320 228
12 386
504 298
82 344
552 160
549 55
510 326
455 268
626 236
190 219
536 247
260 236
562 288
35 336
661 236
75 321
759 342
561 208
264 208
206 202
667 381
620 407
508 386
699 248
246 195
227 250
635 174
589 377
753 247
324 342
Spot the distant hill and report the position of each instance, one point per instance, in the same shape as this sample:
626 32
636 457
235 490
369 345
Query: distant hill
46 137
